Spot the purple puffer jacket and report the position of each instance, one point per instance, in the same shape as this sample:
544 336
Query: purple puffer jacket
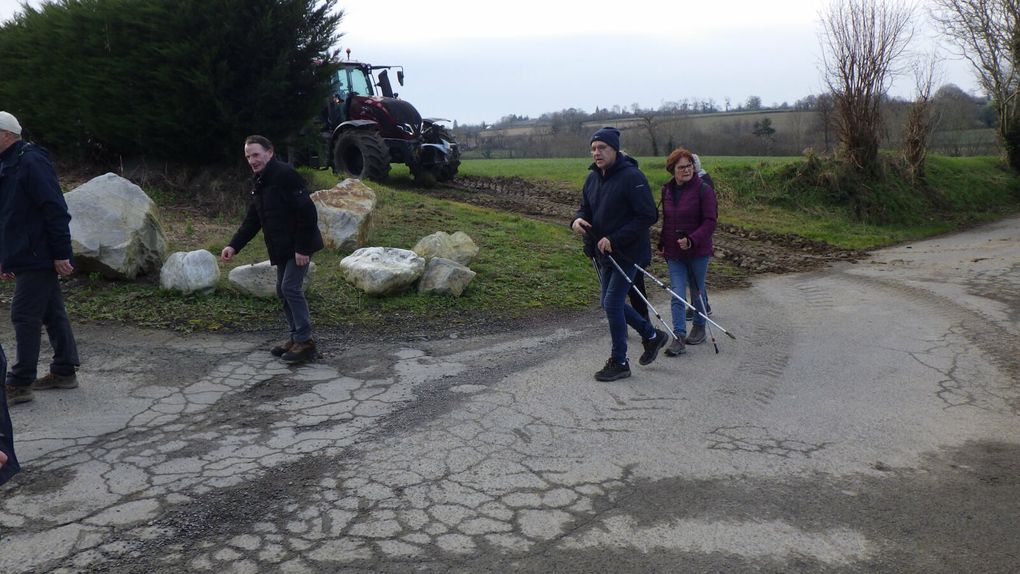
691 210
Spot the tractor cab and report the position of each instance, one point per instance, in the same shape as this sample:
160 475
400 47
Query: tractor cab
354 79
369 127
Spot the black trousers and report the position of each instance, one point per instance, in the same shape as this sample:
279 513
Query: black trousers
635 300
38 303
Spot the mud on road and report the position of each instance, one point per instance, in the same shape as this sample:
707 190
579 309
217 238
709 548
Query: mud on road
750 252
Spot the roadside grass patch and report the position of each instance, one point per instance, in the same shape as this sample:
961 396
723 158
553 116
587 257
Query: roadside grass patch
527 267
523 265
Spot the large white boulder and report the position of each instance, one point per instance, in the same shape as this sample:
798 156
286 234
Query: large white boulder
259 279
344 213
457 247
190 272
382 270
115 228
445 277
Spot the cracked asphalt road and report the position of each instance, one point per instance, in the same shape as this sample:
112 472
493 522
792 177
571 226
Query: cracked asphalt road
865 420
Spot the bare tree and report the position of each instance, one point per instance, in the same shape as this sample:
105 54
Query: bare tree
826 119
862 41
986 32
921 119
648 120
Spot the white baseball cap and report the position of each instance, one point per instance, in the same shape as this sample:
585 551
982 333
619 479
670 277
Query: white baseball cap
9 123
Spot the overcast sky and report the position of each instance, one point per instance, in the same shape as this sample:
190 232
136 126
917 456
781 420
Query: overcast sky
473 60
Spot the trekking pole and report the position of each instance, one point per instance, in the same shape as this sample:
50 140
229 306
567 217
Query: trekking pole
683 300
598 273
643 298
598 269
704 304
711 333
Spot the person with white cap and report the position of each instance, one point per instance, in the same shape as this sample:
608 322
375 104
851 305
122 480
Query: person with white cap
35 251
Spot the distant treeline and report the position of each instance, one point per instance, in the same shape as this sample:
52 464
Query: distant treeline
965 126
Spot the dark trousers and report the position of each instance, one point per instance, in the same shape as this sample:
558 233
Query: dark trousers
10 468
37 303
615 287
636 301
290 287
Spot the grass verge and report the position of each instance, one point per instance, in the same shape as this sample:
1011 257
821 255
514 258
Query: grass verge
526 267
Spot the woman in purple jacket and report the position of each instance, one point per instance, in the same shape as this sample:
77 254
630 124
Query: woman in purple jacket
688 221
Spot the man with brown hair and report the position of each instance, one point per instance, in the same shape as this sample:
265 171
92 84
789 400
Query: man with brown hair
281 208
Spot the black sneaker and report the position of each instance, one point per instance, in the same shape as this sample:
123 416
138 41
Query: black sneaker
697 335
652 347
613 371
676 347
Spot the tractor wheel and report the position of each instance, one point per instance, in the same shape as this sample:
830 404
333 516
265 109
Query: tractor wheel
448 171
362 155
425 177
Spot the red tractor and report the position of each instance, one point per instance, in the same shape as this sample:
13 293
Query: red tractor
369 127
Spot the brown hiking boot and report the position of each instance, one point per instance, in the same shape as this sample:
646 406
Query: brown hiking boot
18 394
300 352
697 335
55 381
281 348
676 348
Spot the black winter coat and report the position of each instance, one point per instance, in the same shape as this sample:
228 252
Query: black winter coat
34 221
281 208
619 205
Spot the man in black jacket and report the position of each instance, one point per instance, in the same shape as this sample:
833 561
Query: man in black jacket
281 208
615 215
35 249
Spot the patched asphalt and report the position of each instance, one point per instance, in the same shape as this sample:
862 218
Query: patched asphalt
865 419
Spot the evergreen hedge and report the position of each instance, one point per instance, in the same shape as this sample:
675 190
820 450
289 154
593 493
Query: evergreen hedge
173 79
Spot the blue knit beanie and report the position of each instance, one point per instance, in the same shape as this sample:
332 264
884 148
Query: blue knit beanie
609 135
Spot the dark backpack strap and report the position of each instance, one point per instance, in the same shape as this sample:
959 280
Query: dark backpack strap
701 198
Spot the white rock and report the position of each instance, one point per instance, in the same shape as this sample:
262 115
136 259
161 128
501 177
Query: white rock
445 276
259 279
115 228
344 213
458 247
190 272
382 270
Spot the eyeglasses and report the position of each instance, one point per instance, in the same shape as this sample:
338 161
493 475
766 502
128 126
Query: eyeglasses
685 167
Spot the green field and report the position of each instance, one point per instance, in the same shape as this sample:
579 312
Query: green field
527 267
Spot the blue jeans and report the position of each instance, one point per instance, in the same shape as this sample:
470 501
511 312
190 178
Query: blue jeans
681 271
290 280
38 302
619 313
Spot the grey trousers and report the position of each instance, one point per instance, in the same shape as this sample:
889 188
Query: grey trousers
290 280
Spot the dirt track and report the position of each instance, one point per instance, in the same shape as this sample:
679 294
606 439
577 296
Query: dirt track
752 252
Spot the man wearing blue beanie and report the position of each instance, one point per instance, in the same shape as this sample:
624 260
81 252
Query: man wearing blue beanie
616 212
